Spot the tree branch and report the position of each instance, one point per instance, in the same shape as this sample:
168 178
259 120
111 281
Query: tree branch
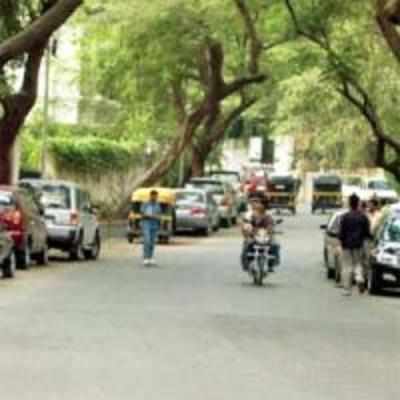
388 16
256 45
39 31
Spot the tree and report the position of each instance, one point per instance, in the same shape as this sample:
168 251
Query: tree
348 61
259 21
179 61
388 16
26 27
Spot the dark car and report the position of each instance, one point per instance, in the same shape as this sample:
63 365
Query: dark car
384 271
7 255
23 219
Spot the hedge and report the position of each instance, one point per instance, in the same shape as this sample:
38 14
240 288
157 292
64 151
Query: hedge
93 155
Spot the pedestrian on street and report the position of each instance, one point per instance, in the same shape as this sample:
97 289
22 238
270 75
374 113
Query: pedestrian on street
354 232
151 212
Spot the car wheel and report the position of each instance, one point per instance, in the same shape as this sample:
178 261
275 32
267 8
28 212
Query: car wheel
227 223
205 231
338 272
234 221
374 281
94 252
10 266
77 253
24 258
330 273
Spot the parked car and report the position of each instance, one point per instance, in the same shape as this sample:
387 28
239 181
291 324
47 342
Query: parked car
23 219
384 271
332 248
380 189
223 195
8 261
231 177
70 218
196 210
233 180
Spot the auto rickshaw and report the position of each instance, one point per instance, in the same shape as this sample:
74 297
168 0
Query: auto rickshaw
282 192
327 193
166 198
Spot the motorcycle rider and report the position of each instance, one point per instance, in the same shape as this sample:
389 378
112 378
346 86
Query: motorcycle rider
257 218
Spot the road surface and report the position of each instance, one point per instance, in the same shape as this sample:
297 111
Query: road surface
195 328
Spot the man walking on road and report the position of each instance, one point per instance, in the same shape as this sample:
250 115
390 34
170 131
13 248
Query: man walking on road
354 232
151 212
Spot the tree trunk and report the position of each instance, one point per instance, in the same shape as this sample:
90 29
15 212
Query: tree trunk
17 109
198 162
6 166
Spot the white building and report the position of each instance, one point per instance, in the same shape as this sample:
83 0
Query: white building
62 79
284 153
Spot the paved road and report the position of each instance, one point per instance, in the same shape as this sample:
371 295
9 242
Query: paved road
195 328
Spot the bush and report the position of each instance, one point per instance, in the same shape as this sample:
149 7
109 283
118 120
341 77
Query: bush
93 155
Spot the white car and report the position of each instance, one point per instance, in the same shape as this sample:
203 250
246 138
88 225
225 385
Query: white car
380 189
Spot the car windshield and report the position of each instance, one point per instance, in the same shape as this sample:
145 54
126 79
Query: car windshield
56 196
378 185
6 201
354 181
229 178
392 231
212 187
189 197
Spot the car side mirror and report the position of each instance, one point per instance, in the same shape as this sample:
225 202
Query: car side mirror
324 227
279 221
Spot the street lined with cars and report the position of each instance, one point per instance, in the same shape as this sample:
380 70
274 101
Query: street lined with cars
107 330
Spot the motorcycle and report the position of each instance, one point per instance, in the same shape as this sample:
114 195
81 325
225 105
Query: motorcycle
260 256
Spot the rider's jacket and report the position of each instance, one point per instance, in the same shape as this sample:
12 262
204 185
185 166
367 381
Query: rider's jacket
259 222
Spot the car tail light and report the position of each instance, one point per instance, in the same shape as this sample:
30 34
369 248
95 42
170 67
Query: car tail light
198 212
74 218
12 219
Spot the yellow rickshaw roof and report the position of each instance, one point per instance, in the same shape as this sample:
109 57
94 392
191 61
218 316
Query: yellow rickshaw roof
165 195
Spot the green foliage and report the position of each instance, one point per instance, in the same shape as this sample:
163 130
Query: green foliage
93 156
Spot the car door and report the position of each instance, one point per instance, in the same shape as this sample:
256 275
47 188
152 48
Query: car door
35 224
213 207
332 239
88 219
83 204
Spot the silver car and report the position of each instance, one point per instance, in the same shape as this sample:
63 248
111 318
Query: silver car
196 210
332 247
223 195
70 218
8 262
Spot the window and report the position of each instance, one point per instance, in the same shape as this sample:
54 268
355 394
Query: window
189 197
378 185
56 196
6 201
392 231
334 224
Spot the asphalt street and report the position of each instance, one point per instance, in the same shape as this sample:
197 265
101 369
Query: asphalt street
195 327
